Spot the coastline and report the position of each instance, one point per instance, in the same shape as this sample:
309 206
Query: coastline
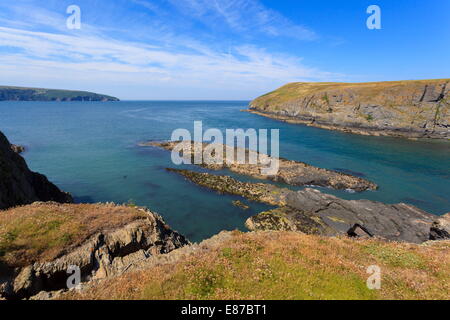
349 128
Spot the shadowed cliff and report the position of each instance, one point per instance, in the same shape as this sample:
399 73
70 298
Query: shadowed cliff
19 185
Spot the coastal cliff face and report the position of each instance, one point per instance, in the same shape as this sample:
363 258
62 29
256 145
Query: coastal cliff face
19 185
39 242
413 109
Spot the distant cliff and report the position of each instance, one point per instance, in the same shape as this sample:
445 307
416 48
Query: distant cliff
19 185
414 109
37 94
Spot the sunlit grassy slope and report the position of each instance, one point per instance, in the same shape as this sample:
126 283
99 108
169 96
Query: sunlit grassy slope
366 91
282 265
42 232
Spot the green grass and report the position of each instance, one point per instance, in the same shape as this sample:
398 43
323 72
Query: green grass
366 91
396 257
42 232
285 265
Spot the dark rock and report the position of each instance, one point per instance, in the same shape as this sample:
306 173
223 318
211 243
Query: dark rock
287 219
359 231
241 205
19 185
312 211
440 230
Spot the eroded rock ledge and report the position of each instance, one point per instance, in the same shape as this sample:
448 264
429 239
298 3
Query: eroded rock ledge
290 172
412 109
119 237
313 212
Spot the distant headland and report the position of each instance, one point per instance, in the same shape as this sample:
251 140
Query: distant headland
8 93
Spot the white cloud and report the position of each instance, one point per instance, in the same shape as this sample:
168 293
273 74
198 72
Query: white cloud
175 67
245 16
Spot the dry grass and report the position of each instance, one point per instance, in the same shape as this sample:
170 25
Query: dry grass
366 91
283 265
45 231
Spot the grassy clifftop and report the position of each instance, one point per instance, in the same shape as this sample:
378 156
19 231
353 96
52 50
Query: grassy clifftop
286 265
39 94
365 90
42 239
42 232
39 242
418 108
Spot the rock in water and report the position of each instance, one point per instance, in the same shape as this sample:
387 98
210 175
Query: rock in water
240 204
290 172
313 212
19 185
412 109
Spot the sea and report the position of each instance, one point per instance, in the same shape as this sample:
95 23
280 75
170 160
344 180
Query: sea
91 149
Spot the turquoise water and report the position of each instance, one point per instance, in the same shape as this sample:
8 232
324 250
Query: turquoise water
90 149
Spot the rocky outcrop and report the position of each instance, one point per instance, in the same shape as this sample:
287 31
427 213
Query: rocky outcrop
146 265
440 230
313 212
240 204
279 265
335 216
19 185
413 109
290 172
17 149
106 254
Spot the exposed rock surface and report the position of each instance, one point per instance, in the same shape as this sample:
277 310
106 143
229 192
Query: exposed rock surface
413 109
107 253
19 185
146 265
289 172
280 265
17 149
313 212
240 205
440 229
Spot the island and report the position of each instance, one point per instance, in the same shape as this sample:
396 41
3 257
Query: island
39 94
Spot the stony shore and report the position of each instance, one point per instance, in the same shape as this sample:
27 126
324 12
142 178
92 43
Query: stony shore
313 212
290 172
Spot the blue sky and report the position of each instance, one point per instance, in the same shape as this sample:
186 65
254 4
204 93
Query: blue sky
218 49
